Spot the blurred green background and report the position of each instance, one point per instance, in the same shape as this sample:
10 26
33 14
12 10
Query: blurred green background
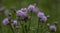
49 7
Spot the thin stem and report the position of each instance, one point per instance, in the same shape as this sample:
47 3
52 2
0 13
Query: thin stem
52 32
45 28
41 27
29 26
29 22
38 26
22 27
17 28
22 24
10 25
11 28
26 30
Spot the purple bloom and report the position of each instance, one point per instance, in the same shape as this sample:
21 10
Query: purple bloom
53 27
44 18
14 22
31 7
35 10
24 10
40 15
21 14
5 21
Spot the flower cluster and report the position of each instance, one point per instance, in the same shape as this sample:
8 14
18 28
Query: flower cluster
42 16
33 8
23 13
24 10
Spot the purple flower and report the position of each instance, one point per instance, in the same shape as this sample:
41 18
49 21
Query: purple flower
44 18
40 15
35 10
53 27
21 14
31 7
14 22
5 21
24 10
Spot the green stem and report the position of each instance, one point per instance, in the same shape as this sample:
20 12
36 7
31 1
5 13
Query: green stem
22 27
38 26
17 27
11 28
26 30
30 22
52 32
29 25
41 27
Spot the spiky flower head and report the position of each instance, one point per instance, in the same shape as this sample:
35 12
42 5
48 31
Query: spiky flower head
5 21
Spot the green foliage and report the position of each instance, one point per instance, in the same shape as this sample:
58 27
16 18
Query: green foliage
49 7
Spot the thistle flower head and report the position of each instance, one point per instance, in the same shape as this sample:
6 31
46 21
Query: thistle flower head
35 10
40 15
5 21
14 22
44 18
52 28
24 10
31 7
21 14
